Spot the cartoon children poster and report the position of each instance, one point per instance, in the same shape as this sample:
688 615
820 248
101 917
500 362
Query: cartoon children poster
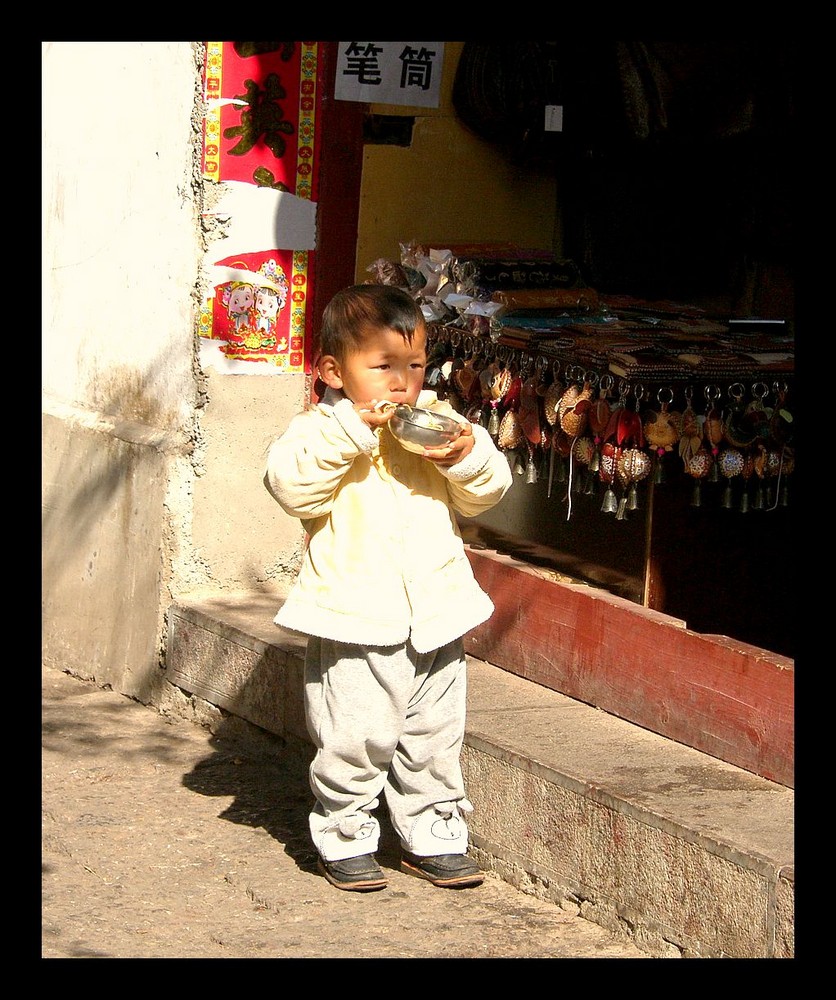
262 129
258 313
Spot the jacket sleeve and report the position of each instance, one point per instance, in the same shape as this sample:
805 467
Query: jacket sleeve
481 480
306 465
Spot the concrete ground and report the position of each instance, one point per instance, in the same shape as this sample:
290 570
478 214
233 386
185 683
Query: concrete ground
161 840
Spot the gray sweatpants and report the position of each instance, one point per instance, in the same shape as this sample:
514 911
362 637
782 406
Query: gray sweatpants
386 719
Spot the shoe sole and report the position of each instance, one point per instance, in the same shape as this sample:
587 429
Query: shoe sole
367 885
453 882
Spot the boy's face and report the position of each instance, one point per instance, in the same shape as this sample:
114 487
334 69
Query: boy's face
386 367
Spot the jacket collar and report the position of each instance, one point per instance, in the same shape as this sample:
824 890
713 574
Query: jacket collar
331 397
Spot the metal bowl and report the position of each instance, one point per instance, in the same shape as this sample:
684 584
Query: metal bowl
417 429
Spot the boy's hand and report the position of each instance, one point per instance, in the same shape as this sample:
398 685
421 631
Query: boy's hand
374 415
459 448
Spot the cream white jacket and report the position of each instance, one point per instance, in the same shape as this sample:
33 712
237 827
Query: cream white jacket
385 561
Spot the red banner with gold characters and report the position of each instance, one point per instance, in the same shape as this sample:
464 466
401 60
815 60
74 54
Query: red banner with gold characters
262 128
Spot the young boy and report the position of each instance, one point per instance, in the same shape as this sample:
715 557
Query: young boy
385 595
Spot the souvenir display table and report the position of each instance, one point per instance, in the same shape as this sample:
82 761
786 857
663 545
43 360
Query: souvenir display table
654 442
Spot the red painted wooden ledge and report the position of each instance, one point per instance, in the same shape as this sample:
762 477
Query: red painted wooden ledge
720 696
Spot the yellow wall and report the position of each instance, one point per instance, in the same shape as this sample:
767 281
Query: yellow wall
449 186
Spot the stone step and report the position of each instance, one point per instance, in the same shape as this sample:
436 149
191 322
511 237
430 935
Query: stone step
691 855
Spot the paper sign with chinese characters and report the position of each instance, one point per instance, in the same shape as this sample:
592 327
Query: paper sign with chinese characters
407 73
262 132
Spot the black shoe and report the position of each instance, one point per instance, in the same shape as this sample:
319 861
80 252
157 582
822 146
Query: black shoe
360 874
453 871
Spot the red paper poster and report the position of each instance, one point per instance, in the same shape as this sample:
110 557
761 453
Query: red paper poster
262 115
259 314
262 128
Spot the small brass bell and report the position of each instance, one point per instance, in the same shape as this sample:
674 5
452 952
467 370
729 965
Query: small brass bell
744 502
622 509
758 502
785 496
610 504
633 497
493 422
530 469
696 496
658 471
728 498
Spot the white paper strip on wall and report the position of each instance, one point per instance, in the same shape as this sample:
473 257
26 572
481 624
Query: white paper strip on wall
261 218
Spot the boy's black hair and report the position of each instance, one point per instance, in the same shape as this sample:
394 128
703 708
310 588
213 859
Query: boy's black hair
352 312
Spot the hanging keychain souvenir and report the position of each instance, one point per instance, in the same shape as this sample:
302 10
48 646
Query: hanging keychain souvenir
757 413
572 417
735 460
758 417
781 434
700 463
599 415
610 454
486 378
529 415
455 358
759 464
769 462
463 377
785 469
551 401
552 394
699 468
690 439
498 383
746 474
557 453
774 466
510 433
574 404
632 467
626 435
437 371
662 429
473 401
561 449
625 426
513 393
583 451
713 429
544 450
737 430
780 423
731 462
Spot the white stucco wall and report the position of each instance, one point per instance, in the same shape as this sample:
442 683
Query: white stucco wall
121 251
151 467
119 228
